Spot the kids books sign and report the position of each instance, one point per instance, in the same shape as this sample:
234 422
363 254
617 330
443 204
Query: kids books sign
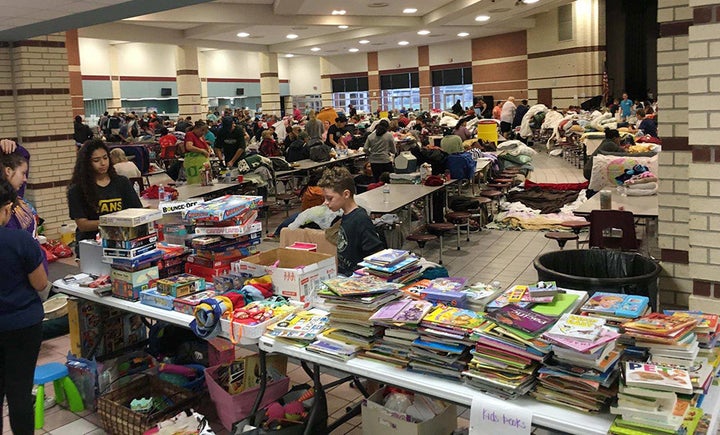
493 416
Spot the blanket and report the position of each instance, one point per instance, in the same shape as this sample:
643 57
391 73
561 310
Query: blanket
545 200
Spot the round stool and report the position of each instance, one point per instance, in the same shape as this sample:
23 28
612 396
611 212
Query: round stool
459 219
560 237
503 187
482 211
576 227
421 239
493 195
439 229
64 387
287 198
503 180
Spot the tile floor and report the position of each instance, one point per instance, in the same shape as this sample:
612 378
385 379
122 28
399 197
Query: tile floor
490 255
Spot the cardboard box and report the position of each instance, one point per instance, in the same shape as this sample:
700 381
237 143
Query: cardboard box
141 277
377 419
180 285
295 274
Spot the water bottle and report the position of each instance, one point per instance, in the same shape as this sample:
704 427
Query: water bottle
386 193
161 193
136 187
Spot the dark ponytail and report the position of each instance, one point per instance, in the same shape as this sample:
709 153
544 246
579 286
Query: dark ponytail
381 128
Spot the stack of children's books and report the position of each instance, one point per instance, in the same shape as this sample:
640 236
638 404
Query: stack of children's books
392 265
616 308
443 346
227 231
129 246
649 411
669 339
400 320
300 328
583 367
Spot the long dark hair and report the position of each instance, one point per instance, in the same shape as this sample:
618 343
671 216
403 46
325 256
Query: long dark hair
381 128
12 161
83 177
8 195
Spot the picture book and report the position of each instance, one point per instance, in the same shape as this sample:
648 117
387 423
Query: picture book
581 328
561 304
446 285
387 257
657 377
130 217
452 318
389 269
446 291
706 322
616 304
517 317
606 335
543 288
304 325
407 311
518 294
414 290
660 324
359 286
224 207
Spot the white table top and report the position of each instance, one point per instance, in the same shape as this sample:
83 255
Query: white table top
307 164
640 206
544 415
400 196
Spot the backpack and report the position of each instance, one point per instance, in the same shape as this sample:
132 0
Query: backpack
297 151
319 151
280 164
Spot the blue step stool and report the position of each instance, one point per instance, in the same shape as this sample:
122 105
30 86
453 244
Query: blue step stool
64 387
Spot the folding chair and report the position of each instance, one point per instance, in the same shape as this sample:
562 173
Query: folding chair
614 229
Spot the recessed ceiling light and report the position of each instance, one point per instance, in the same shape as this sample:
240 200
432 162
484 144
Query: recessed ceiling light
315 49
353 50
363 41
463 34
529 2
423 32
243 35
342 27
403 43
482 18
409 10
291 36
339 12
289 55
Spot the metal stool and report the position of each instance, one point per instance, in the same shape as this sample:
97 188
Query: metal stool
421 239
287 198
576 227
439 229
560 237
459 219
493 195
482 211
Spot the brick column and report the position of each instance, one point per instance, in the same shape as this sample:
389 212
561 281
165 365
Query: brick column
37 73
188 82
704 139
269 84
424 79
325 83
73 55
673 229
202 73
373 80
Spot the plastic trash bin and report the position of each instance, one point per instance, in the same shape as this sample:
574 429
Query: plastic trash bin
600 270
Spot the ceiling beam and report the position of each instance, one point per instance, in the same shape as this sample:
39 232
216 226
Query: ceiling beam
347 35
106 14
449 12
203 31
287 7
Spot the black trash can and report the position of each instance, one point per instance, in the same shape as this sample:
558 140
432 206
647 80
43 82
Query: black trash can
600 270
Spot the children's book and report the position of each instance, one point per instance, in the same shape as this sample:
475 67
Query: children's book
304 325
616 304
606 335
387 257
446 285
517 317
414 290
359 286
452 318
446 291
406 311
657 377
705 322
504 299
543 288
560 305
660 324
581 328
392 268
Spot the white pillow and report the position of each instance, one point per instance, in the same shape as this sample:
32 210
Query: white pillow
606 168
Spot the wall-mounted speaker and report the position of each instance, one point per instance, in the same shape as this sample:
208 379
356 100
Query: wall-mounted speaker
239 91
165 92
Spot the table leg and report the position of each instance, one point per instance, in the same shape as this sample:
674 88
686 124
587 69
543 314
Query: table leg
263 382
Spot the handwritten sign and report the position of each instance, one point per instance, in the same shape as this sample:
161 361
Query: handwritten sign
490 415
178 206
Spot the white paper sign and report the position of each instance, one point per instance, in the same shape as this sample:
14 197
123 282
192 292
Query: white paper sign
178 206
492 416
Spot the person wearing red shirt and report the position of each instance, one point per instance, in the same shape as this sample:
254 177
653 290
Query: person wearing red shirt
197 152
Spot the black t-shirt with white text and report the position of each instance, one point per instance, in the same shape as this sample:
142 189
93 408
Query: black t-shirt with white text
116 196
335 132
357 239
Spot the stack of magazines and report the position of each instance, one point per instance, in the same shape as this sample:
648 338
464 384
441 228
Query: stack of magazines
392 265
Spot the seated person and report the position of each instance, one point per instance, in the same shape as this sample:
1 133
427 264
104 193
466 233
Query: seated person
364 179
268 146
122 165
383 179
646 125
357 237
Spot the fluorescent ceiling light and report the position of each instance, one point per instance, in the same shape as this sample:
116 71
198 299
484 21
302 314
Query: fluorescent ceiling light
339 12
363 41
482 18
291 36
463 34
403 43
342 27
423 32
409 10
315 49
529 2
289 55
353 50
243 35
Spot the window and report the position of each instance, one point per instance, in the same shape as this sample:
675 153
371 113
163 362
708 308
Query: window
450 85
351 84
565 22
399 98
400 81
341 100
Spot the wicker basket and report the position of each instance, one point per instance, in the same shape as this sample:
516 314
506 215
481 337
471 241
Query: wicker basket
117 417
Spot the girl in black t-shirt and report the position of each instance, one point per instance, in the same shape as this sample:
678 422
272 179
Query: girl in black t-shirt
96 189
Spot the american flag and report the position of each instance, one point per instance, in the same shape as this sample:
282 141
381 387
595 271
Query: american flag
605 88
